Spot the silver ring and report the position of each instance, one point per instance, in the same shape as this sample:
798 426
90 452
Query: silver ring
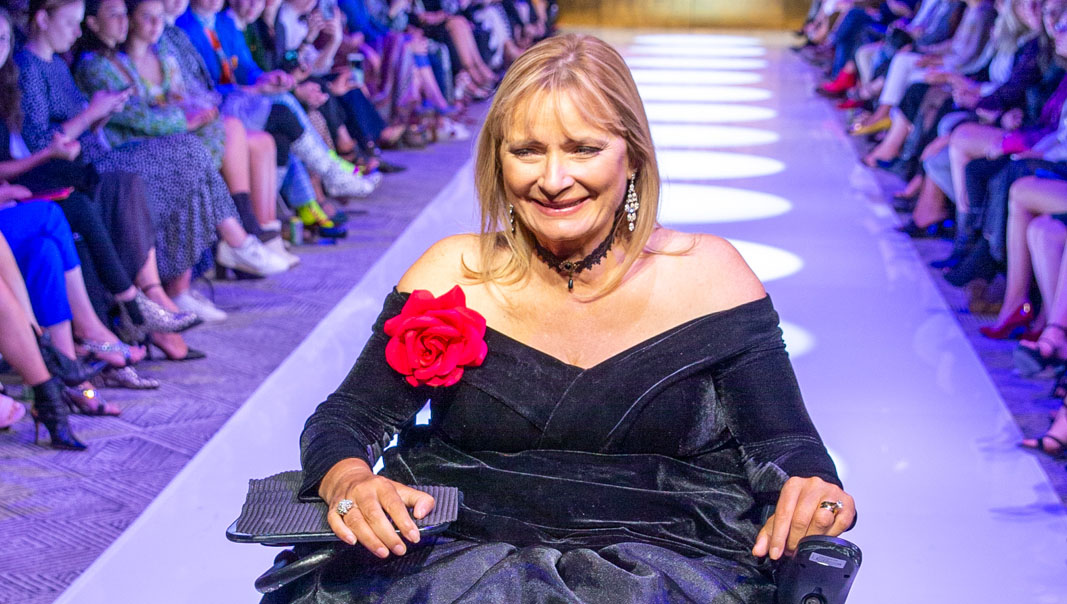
344 506
833 506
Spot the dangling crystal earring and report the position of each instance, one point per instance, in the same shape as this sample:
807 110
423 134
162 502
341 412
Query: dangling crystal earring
632 205
511 217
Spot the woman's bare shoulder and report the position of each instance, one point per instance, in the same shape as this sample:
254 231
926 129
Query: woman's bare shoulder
704 269
440 267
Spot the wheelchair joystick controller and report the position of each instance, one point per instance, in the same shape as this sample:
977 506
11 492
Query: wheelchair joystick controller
821 571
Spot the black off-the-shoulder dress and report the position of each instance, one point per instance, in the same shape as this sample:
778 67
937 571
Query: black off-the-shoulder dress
641 479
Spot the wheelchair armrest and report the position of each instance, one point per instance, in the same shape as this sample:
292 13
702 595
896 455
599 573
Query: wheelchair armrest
820 572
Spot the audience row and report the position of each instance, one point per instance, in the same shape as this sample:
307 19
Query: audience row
143 140
965 101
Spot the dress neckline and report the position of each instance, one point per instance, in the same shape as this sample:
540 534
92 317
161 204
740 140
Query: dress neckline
655 338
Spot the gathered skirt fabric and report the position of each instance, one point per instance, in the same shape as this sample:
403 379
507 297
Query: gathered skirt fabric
186 195
459 571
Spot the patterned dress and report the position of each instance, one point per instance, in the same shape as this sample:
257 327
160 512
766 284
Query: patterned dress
185 193
154 109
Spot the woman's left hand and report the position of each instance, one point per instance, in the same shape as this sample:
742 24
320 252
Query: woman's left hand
799 514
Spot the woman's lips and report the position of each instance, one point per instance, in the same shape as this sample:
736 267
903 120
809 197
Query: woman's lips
557 208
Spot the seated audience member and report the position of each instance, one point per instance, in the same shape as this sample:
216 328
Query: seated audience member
860 25
186 196
17 346
965 53
261 100
114 223
295 181
43 247
161 105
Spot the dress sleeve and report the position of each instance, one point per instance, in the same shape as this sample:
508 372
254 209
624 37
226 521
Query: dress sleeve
37 125
761 401
363 414
1025 72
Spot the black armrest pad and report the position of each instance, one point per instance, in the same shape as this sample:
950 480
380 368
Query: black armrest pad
273 515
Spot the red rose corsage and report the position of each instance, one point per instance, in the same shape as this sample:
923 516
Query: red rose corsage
433 339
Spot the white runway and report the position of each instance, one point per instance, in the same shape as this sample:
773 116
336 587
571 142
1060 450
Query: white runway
950 509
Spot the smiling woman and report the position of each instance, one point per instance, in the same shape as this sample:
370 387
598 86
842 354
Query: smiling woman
627 409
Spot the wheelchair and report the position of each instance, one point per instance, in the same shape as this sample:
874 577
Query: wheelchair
820 572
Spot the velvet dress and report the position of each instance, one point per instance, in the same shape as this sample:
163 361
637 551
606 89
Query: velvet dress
641 479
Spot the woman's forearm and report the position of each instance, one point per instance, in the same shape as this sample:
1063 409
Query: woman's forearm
77 125
17 167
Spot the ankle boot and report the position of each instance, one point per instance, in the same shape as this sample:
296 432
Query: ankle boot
839 85
52 408
335 179
979 264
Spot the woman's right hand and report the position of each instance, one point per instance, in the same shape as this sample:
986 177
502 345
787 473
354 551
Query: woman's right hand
197 119
63 147
376 500
105 102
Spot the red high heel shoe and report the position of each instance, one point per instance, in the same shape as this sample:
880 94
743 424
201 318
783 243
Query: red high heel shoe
839 86
1016 324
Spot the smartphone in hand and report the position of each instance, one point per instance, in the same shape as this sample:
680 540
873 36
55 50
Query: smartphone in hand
52 195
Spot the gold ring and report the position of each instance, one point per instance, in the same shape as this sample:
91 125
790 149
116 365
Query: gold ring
833 506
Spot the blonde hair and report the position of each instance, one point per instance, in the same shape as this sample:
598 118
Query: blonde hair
1008 29
598 81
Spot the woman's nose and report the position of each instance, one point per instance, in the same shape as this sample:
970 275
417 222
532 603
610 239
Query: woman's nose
556 177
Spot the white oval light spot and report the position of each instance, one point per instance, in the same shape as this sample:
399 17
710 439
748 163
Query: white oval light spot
688 78
706 113
798 341
696 63
727 94
695 51
696 39
768 262
667 136
714 165
706 204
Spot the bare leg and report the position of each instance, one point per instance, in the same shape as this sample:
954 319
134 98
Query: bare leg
232 232
891 144
1046 237
969 142
87 325
17 343
931 206
262 155
235 157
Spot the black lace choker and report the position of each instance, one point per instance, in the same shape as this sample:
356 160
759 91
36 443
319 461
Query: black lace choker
570 268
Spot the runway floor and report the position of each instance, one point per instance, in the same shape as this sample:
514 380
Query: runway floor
950 509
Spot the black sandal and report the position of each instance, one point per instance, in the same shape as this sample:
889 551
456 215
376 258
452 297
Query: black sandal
1040 447
1029 361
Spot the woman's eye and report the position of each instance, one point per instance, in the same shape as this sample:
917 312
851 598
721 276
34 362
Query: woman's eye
585 150
522 152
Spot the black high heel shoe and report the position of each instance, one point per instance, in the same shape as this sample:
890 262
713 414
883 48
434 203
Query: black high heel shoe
979 264
71 371
50 407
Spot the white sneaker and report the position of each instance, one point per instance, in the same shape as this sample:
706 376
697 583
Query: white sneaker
193 301
276 246
252 257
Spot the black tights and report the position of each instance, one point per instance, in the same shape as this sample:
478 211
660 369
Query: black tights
84 217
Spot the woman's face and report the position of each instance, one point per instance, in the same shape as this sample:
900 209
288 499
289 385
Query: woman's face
207 7
110 23
248 10
565 177
5 41
60 28
175 8
1029 12
147 21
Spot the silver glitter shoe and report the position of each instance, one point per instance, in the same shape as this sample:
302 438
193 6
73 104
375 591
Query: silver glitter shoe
156 318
